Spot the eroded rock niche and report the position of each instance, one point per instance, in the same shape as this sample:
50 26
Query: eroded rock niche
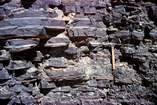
57 52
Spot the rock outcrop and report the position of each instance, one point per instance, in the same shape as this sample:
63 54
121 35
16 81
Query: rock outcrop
58 52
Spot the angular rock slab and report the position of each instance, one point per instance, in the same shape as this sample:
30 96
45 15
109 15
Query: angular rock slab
18 45
59 62
18 65
58 41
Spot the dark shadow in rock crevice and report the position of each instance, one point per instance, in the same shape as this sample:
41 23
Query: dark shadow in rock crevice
27 3
4 2
5 101
54 6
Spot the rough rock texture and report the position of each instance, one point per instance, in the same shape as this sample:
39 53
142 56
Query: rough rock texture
57 52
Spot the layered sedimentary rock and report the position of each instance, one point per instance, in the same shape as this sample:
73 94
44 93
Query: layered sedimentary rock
58 52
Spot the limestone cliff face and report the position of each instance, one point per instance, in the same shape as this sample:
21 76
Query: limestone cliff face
57 52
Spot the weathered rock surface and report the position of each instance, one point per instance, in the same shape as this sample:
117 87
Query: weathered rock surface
59 52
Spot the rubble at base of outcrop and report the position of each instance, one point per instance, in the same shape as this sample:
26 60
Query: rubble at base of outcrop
57 52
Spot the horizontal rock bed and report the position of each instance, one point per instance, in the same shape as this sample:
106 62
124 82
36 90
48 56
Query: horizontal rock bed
58 52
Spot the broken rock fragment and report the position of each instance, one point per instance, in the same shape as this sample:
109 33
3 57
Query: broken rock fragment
18 65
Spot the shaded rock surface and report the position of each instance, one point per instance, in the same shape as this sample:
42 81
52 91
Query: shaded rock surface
57 52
